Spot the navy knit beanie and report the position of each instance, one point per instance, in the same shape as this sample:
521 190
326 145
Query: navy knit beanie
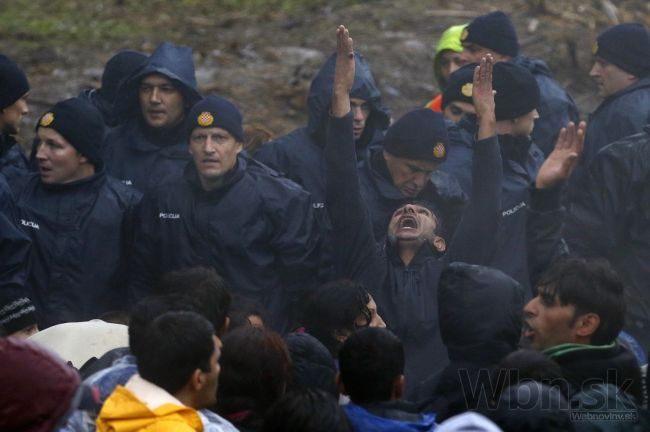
119 68
13 82
459 86
626 46
79 122
493 31
418 135
517 91
215 111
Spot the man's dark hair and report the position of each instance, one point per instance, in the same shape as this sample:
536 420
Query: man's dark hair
150 308
591 286
203 284
307 410
370 361
175 345
255 365
334 308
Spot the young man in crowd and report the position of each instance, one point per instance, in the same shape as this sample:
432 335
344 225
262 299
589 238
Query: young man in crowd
257 229
77 218
494 33
446 60
150 144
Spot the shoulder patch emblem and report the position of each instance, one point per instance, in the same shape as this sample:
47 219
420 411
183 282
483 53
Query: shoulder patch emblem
439 150
464 34
205 119
466 90
46 120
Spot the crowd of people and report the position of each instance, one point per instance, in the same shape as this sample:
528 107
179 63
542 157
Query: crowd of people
478 264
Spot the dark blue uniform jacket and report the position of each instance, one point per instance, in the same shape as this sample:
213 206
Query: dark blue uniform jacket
79 234
13 162
14 244
258 231
407 295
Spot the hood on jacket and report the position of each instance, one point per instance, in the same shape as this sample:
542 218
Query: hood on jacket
364 87
362 420
38 388
312 366
469 320
534 66
124 412
173 61
449 41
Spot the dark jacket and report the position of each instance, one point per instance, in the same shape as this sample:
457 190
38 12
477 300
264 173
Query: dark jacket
521 161
135 153
104 106
14 165
610 218
477 335
407 295
299 155
620 115
79 234
382 198
312 365
258 231
389 416
556 107
14 244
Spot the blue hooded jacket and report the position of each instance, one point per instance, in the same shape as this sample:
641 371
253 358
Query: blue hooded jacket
299 155
137 154
363 420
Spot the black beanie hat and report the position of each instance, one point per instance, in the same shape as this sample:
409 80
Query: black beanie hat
493 31
119 68
419 135
16 312
626 46
13 82
215 111
517 91
79 122
459 87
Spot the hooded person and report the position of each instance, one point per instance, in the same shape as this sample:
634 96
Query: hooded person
77 218
117 69
466 296
14 89
299 155
312 366
495 33
446 59
150 146
232 213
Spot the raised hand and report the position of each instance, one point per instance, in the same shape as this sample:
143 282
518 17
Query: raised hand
344 72
559 165
483 97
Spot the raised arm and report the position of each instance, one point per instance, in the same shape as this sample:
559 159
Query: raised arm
475 238
355 248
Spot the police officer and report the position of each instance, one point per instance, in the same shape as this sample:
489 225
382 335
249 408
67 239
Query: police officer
494 33
77 218
150 146
229 212
14 89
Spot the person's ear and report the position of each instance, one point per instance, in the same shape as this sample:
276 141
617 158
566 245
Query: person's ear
398 388
340 387
587 324
240 147
439 244
224 329
197 380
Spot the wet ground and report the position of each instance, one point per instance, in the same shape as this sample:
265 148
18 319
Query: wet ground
264 58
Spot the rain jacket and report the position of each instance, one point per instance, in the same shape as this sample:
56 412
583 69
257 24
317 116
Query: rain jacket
299 155
407 296
521 161
143 406
137 154
258 231
14 165
610 218
449 41
556 107
79 234
393 416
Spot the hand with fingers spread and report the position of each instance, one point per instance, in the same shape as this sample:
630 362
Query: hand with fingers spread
559 165
344 72
483 97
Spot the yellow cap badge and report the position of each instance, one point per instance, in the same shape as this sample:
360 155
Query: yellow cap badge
464 34
47 120
205 119
594 48
439 150
466 90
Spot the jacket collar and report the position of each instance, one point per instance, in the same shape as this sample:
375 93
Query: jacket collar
191 175
94 181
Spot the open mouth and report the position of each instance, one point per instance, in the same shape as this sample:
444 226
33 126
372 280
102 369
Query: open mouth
527 331
408 222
